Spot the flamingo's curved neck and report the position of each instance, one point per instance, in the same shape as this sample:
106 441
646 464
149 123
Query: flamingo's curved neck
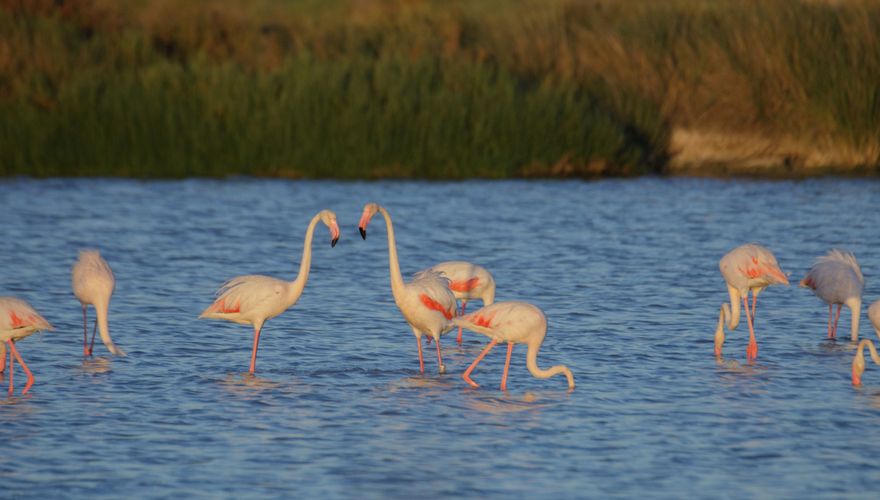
305 264
537 372
393 263
873 350
104 329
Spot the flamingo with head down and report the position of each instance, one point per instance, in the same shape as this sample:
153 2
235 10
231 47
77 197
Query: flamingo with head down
858 365
17 321
514 323
426 302
467 282
837 279
93 283
253 299
746 268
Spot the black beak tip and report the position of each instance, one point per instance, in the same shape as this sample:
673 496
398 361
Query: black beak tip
363 232
333 242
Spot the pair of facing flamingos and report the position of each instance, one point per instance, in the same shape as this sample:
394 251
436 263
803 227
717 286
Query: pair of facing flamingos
428 303
836 278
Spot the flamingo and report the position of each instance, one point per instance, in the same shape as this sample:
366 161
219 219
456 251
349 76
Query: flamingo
858 365
253 299
17 321
514 323
426 302
747 267
468 281
837 278
93 283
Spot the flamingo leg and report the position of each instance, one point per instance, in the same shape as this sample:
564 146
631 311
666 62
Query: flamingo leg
85 332
421 359
752 350
11 368
254 353
467 373
92 343
463 305
506 367
27 371
2 358
441 369
754 306
830 314
836 317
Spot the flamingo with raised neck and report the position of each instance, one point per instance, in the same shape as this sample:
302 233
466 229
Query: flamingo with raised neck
426 302
253 299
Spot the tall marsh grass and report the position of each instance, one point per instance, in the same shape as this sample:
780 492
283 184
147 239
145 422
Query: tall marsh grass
428 89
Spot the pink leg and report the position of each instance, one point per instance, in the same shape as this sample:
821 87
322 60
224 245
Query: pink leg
463 305
27 371
506 367
11 368
440 368
85 332
467 373
92 344
754 306
421 359
254 353
836 317
752 350
830 314
3 363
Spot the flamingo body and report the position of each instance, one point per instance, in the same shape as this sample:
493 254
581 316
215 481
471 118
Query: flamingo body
468 282
93 284
513 323
426 302
17 321
253 299
749 267
837 279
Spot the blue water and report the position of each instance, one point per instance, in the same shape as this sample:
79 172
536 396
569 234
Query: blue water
626 271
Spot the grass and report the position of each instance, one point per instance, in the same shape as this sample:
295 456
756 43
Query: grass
428 89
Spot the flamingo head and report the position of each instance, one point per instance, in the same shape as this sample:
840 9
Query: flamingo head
329 218
858 367
370 210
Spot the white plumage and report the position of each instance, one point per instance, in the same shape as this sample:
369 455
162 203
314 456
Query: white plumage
426 302
837 279
93 284
468 281
17 321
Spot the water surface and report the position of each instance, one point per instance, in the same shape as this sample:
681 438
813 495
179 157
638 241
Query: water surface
626 271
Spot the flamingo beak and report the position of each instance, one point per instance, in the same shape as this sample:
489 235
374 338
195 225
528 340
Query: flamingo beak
778 274
334 235
856 380
365 219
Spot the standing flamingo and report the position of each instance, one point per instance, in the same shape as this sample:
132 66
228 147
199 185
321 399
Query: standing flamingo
468 281
858 365
253 299
748 267
426 302
514 323
93 283
837 278
17 321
